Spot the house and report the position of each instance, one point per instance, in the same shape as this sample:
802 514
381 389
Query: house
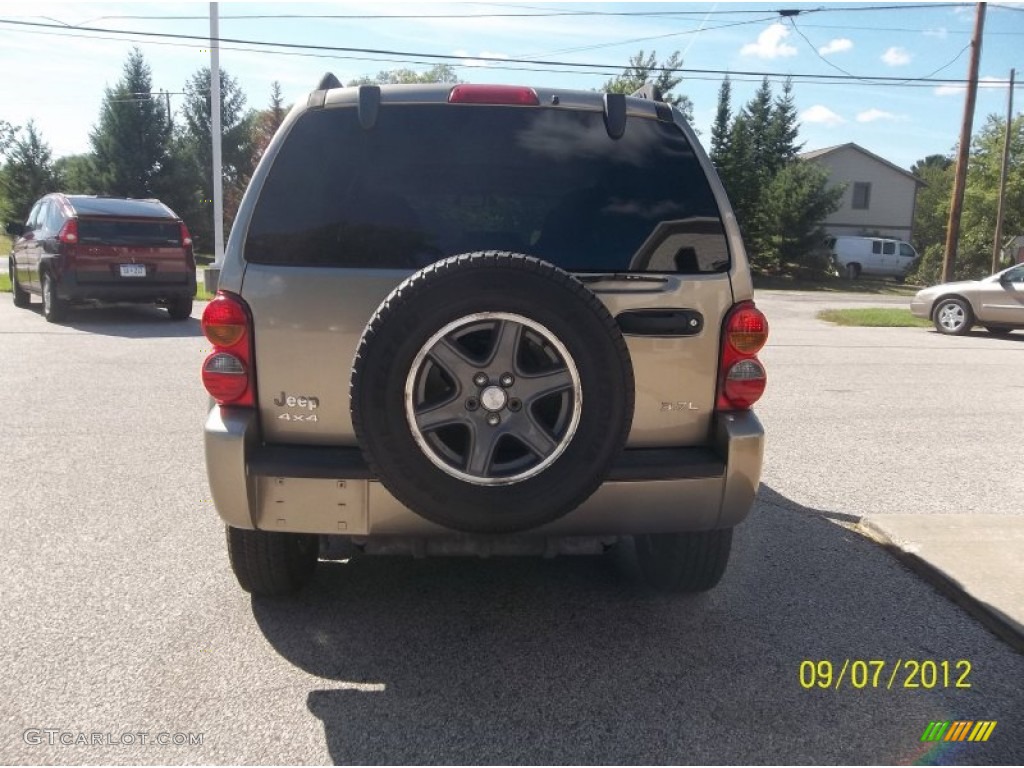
879 198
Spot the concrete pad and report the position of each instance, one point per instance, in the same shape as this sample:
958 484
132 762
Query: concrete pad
977 560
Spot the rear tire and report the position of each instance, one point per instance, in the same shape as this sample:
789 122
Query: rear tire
54 309
269 564
683 562
180 309
21 296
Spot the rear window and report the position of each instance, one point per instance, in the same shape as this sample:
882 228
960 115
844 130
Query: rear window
433 181
128 232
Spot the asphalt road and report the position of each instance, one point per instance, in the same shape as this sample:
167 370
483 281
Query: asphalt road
120 615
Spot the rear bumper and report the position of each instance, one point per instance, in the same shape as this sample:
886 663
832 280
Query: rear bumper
306 489
70 288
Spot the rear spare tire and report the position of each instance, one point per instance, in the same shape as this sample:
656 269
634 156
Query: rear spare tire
492 392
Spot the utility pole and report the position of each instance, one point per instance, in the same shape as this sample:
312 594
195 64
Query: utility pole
963 151
167 97
997 247
215 132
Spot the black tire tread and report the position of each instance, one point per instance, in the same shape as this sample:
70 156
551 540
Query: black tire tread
684 562
179 309
268 563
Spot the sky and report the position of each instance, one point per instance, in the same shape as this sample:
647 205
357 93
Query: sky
56 74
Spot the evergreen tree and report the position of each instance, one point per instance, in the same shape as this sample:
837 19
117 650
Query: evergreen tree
194 149
267 121
131 143
721 128
75 174
645 69
783 129
27 174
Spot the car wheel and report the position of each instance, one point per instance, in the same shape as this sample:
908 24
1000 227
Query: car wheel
999 331
54 309
268 563
21 296
683 562
953 317
180 309
492 392
852 271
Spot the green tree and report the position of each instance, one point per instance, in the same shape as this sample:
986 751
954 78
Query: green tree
27 173
131 142
75 174
645 69
194 151
439 73
795 203
783 129
931 214
7 135
720 129
267 121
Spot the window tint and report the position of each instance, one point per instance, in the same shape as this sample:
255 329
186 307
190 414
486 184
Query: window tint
1015 275
33 217
114 232
433 181
861 195
889 248
907 250
54 218
876 246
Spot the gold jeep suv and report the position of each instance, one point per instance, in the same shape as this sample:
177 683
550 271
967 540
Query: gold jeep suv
482 319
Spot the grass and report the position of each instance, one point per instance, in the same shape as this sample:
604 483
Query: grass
872 317
833 285
5 283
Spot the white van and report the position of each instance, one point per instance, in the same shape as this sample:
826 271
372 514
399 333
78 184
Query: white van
855 256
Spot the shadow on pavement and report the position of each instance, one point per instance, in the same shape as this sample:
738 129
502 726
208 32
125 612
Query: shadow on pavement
528 661
130 321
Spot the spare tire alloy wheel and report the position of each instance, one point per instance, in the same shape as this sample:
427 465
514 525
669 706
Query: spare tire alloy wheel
517 406
492 392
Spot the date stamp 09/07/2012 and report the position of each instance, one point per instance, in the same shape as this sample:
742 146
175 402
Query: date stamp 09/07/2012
859 674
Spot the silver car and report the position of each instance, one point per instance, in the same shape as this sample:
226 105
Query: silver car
995 302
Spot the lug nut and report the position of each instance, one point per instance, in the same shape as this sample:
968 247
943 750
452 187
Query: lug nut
481 379
472 404
507 380
514 404
493 419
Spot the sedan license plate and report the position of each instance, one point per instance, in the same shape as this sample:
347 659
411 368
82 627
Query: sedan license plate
133 270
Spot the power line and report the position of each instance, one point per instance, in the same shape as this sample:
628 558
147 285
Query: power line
497 62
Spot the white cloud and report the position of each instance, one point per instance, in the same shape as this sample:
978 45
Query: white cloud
770 44
820 114
940 32
896 57
874 114
483 61
985 82
838 45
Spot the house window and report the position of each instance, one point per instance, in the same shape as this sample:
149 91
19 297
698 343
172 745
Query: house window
861 195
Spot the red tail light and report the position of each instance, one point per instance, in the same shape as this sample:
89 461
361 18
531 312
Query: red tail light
68 239
493 94
741 377
228 369
186 243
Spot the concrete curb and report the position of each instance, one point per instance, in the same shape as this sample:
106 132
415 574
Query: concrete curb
1004 626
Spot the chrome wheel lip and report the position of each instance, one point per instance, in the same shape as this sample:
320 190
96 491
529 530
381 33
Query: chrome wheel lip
429 451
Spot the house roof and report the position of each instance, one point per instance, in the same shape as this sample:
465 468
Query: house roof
814 154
